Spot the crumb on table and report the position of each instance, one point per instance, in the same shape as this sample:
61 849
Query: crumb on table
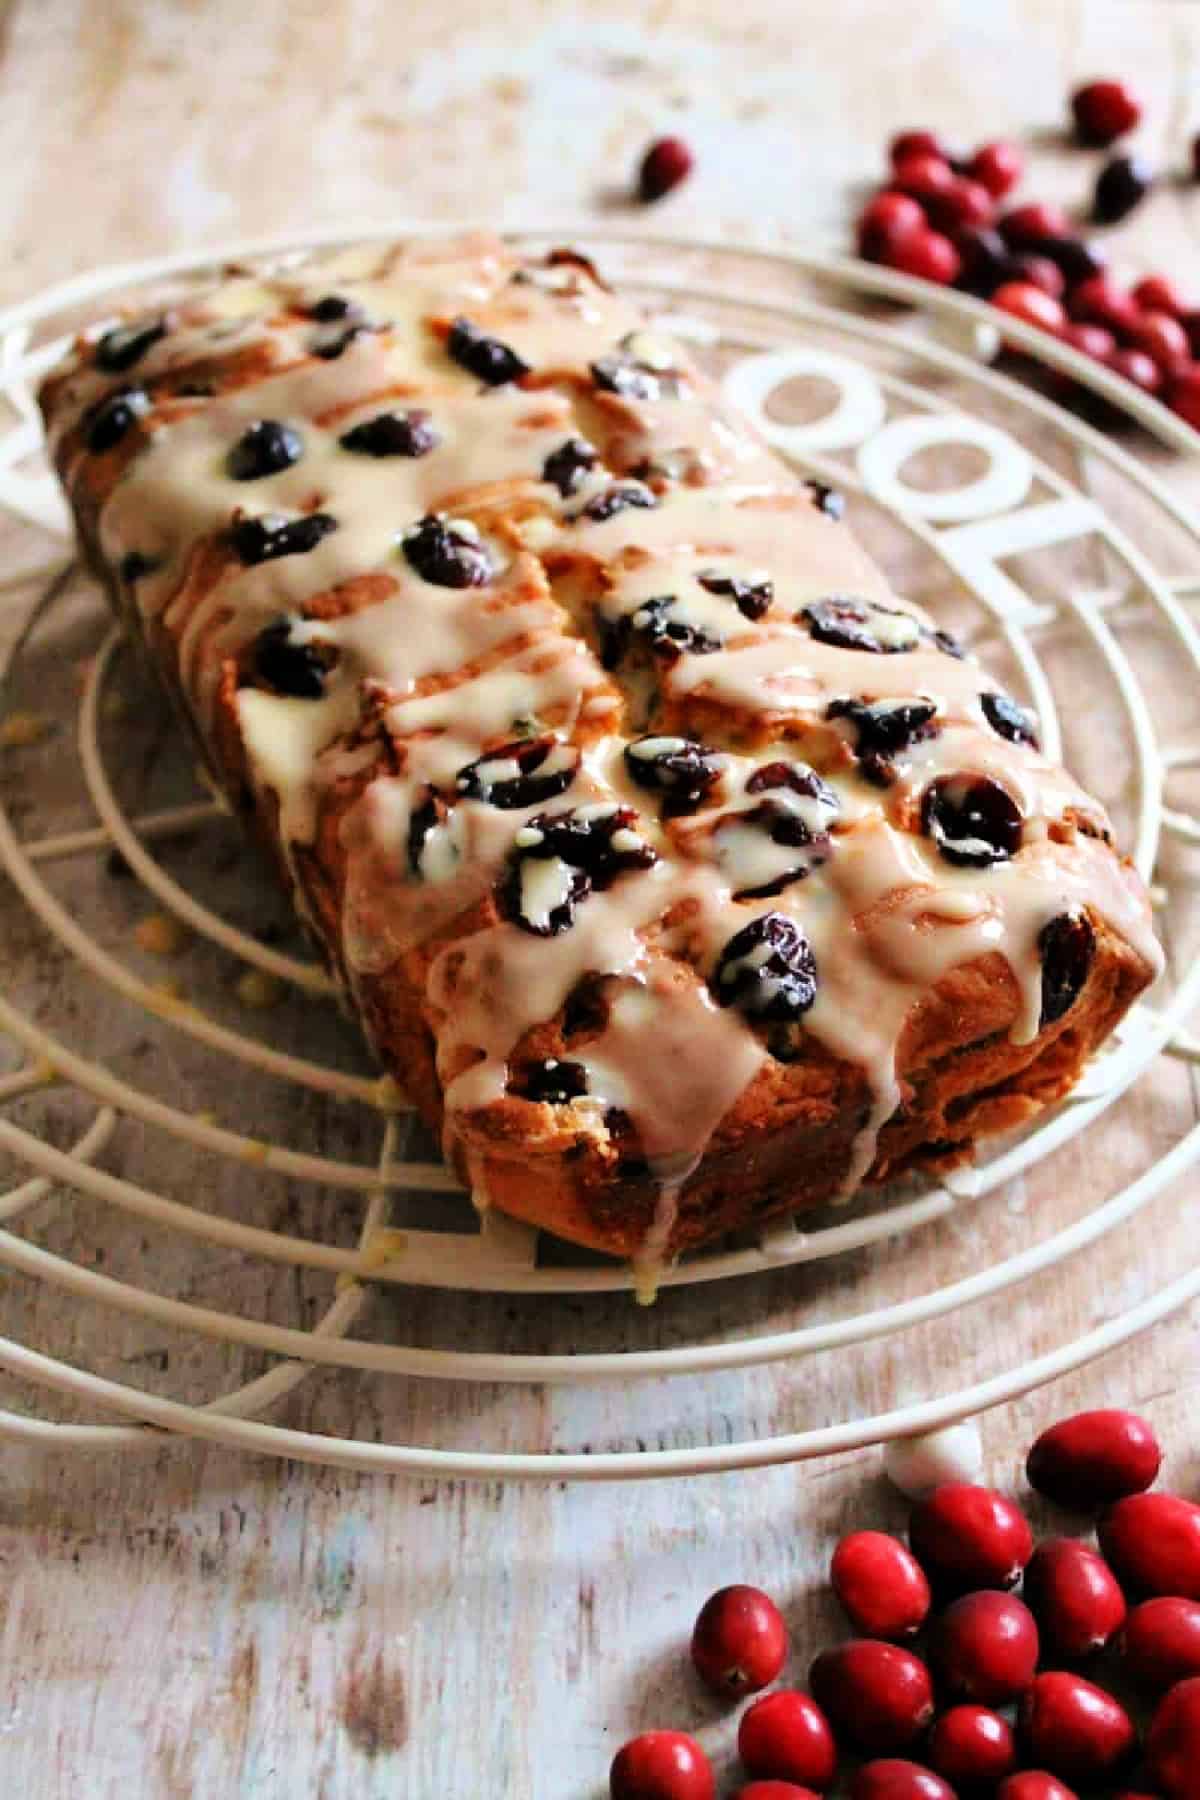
160 934
21 729
258 989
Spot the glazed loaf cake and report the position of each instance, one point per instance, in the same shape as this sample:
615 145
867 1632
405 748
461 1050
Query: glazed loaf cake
681 872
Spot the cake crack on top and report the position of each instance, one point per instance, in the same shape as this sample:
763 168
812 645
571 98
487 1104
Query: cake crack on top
681 871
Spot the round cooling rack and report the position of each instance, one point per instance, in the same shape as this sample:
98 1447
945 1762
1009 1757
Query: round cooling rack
214 1198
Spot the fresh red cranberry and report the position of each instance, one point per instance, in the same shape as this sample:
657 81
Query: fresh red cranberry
1073 1728
968 1537
881 1586
1137 367
973 1748
1158 293
1152 1542
985 1648
886 219
891 1778
928 255
1039 272
1183 396
1074 1596
1026 226
1034 1784
666 163
1095 341
963 203
774 1790
1122 184
916 143
998 167
879 1697
924 177
740 1641
1100 301
1173 1746
1032 305
661 1765
1160 1644
1104 111
787 1736
1164 340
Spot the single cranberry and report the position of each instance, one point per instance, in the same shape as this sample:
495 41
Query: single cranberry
1094 1458
1067 944
886 219
1135 366
661 1765
973 1748
879 1697
666 163
774 1790
1152 1542
891 1778
923 175
1095 341
997 167
1104 111
927 255
968 1537
263 539
1164 341
1158 293
963 203
1173 1746
740 1641
916 143
1160 1644
1025 227
1122 184
264 448
1039 272
1075 1597
1078 258
494 362
1034 1784
767 970
881 1586
1032 305
985 257
1073 1728
1183 396
1100 301
985 1648
787 1736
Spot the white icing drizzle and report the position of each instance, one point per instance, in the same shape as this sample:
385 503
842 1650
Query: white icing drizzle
420 680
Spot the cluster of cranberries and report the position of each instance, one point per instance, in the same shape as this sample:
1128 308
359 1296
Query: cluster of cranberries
940 217
955 1686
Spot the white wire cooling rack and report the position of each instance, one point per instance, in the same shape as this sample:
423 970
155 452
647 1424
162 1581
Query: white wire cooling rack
891 391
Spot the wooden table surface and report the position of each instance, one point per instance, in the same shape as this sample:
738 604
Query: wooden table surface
194 1623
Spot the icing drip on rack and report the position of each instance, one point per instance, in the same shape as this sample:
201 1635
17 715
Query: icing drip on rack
496 530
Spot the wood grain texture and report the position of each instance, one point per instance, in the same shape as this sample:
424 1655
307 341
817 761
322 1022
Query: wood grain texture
191 1623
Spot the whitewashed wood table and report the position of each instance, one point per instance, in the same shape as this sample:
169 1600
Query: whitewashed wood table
195 1623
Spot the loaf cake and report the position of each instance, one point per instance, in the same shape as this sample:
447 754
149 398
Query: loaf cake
681 872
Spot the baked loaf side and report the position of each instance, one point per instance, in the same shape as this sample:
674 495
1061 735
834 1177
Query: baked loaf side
680 871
